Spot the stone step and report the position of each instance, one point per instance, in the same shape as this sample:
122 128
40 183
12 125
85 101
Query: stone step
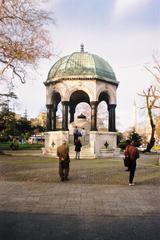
82 154
85 152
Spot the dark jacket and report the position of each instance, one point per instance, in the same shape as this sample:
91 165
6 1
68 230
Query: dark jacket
131 152
78 146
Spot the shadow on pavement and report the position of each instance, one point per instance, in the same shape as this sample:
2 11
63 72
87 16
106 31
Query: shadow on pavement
28 226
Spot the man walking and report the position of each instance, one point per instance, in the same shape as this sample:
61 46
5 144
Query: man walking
132 153
64 159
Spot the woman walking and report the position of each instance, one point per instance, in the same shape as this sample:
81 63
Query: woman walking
132 153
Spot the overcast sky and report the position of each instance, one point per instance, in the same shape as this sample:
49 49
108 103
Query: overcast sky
125 33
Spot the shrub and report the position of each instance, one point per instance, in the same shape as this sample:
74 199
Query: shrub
122 145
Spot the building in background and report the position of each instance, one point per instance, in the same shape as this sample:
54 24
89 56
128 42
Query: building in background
40 120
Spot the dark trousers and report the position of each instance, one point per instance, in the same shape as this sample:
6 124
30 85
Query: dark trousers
132 169
63 170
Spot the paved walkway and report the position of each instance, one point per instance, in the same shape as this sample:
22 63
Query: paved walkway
68 198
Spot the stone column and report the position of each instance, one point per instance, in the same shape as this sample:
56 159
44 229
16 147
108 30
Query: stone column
94 115
112 120
54 110
49 117
72 111
65 115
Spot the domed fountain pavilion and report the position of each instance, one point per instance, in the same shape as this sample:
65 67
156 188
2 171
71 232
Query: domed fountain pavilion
80 77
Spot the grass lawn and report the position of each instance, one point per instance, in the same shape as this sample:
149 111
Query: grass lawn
26 146
85 171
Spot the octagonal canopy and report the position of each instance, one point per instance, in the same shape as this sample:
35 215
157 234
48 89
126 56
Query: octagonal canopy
82 65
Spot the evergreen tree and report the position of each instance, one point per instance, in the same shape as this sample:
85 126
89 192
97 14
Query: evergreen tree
135 137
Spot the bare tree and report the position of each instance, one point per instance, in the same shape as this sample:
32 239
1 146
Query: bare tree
152 99
151 96
24 37
155 70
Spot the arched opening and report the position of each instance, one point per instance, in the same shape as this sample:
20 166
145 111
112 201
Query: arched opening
59 116
79 112
79 96
102 116
56 98
111 111
102 111
76 98
83 109
104 97
82 119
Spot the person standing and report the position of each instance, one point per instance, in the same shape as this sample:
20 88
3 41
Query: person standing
75 133
83 133
64 160
132 153
78 146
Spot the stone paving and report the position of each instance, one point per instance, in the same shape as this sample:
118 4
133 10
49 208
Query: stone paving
67 198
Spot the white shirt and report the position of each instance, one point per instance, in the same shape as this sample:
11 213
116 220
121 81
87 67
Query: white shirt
83 132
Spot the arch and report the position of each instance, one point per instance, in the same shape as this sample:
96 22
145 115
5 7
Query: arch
104 97
80 87
62 89
79 96
56 98
108 94
66 90
110 91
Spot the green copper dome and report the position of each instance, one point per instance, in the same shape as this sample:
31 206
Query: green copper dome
81 65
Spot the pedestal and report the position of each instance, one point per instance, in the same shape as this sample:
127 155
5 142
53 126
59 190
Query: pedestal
97 141
53 140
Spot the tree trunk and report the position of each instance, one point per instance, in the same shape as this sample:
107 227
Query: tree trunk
153 127
151 141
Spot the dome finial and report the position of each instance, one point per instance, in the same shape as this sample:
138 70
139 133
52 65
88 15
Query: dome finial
82 47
